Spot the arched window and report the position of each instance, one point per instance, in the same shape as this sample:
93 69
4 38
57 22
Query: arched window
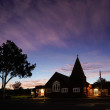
56 86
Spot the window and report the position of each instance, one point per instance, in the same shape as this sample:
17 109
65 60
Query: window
48 90
76 90
41 92
64 90
95 91
91 91
56 86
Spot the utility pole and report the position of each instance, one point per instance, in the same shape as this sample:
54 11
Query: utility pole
100 82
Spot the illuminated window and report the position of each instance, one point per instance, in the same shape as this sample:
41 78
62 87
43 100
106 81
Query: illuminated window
64 90
56 86
76 90
32 93
95 91
41 92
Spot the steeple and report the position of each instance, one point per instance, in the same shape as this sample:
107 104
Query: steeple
77 69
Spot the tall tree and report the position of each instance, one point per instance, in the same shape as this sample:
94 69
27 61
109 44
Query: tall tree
13 63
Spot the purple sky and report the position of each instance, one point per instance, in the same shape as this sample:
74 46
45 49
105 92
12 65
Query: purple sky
53 32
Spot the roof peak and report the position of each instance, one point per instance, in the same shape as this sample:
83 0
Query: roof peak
77 69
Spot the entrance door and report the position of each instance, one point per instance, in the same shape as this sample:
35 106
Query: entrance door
41 92
95 92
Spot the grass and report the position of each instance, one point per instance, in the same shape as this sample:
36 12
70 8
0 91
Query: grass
21 96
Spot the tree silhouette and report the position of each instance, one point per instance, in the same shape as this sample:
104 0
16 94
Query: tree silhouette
17 85
101 82
13 63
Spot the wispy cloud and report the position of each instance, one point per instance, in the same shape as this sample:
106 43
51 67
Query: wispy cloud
33 83
93 66
66 69
90 69
95 74
47 22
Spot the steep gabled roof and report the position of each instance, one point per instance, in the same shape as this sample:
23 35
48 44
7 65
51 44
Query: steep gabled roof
77 69
63 77
58 76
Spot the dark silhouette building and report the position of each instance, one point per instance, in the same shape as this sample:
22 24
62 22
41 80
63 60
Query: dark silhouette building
60 85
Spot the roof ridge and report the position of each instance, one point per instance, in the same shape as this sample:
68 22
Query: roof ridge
61 74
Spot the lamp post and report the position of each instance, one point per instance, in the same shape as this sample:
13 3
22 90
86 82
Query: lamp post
100 82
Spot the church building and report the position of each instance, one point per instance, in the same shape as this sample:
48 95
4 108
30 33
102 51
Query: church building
60 85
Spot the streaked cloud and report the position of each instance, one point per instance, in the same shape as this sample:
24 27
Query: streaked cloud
93 66
95 74
33 24
33 83
28 83
90 69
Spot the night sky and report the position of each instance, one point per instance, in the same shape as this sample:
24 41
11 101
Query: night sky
53 32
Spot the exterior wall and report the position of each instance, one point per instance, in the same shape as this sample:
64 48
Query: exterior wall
97 92
48 90
57 89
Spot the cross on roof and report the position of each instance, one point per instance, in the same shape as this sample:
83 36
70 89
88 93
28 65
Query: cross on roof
77 55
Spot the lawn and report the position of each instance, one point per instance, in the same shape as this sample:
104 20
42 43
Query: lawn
22 96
